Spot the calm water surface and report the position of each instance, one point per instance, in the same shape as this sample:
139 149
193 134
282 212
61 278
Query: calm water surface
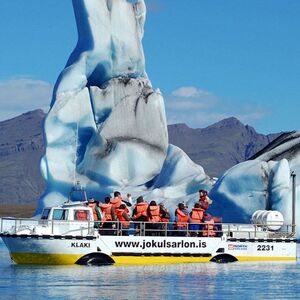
272 280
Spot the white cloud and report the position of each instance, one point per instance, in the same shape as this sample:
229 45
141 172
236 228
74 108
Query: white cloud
20 95
190 91
198 108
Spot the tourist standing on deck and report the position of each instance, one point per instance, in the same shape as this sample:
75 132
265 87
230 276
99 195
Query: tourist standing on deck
204 200
123 218
117 200
154 219
140 213
97 215
165 218
181 220
196 218
108 212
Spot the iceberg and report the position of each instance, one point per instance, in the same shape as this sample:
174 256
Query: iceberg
107 125
263 183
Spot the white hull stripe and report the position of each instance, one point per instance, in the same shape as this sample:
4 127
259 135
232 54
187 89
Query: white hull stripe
48 237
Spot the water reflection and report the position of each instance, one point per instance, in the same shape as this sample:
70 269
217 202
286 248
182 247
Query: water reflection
280 280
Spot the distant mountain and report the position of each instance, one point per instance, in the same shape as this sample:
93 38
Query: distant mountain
21 147
216 148
219 146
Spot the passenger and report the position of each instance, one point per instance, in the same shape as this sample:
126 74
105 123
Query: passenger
117 200
140 210
96 211
128 200
154 218
181 219
196 218
164 214
124 219
204 200
139 213
109 216
209 222
165 218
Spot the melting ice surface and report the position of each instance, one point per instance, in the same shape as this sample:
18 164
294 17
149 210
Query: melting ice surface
107 128
107 125
262 183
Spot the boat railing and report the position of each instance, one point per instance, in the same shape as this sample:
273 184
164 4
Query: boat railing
116 228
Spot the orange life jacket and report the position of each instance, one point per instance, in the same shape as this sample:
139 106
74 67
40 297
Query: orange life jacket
116 202
120 217
141 210
196 215
154 209
209 228
182 218
93 207
81 215
106 209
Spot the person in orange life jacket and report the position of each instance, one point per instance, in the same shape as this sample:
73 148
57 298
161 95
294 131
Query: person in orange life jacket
181 220
196 218
109 216
208 229
140 211
124 219
117 200
204 200
153 212
96 211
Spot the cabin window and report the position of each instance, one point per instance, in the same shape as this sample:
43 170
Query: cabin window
81 215
60 214
45 214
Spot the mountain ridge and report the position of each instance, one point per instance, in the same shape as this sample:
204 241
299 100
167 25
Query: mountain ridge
216 148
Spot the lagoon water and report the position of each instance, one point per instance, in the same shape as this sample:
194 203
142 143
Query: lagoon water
263 280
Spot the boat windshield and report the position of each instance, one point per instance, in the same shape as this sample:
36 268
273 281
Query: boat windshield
60 214
45 214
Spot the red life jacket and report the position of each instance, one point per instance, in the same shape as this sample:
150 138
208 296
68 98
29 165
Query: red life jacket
93 207
116 202
154 209
81 215
121 218
203 202
196 215
209 228
141 210
182 218
106 209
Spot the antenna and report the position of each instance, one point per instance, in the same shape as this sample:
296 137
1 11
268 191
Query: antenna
293 175
75 153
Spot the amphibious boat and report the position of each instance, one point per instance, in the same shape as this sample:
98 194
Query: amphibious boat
67 234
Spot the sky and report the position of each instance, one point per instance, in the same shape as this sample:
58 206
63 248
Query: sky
212 59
